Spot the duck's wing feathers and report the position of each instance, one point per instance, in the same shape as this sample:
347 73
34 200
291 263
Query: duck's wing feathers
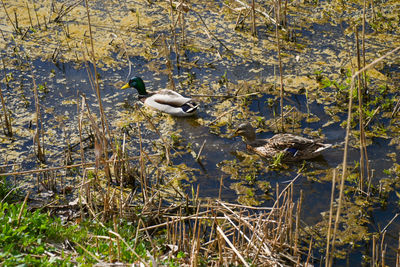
293 147
169 97
297 147
284 141
261 147
171 102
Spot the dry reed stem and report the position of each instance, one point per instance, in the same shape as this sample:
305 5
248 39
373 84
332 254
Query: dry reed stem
362 144
373 10
232 246
8 129
309 253
289 215
127 245
328 236
383 250
22 208
37 17
374 253
29 14
38 119
262 243
344 166
173 31
285 24
398 253
201 150
237 19
227 96
389 223
7 117
296 235
278 230
90 253
363 44
10 192
117 240
122 176
276 204
182 7
253 18
99 101
244 206
80 121
242 234
251 227
195 244
220 187
277 16
221 115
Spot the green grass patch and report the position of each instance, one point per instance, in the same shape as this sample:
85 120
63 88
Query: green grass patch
36 238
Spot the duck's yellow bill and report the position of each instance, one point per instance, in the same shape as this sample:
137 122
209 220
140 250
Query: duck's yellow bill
125 86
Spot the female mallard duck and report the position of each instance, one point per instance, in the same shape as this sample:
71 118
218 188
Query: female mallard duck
165 100
292 147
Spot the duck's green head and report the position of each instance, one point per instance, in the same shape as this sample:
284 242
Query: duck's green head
136 82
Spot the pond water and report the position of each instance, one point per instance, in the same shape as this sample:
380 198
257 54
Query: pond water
322 53
220 149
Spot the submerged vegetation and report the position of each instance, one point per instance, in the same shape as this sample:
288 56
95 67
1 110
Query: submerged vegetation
92 176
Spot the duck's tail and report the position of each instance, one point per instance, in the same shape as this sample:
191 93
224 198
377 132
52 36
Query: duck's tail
190 107
323 147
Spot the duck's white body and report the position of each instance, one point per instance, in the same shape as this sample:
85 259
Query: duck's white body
165 100
170 102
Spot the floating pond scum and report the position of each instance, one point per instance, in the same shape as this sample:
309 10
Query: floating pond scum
72 138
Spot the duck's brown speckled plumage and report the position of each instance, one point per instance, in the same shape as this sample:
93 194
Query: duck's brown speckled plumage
293 147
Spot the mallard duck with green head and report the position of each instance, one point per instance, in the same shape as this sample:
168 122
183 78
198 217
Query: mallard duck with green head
292 147
164 100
